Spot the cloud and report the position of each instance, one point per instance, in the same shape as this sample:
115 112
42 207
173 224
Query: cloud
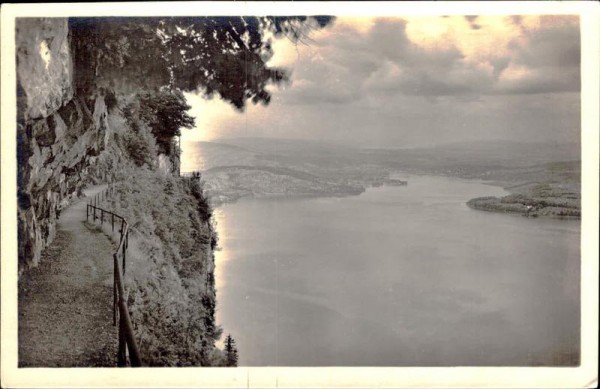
472 22
554 44
540 80
348 64
550 56
407 81
499 64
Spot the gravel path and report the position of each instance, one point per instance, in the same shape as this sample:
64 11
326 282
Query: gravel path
65 304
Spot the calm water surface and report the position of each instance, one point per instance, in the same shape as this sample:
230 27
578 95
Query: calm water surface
397 276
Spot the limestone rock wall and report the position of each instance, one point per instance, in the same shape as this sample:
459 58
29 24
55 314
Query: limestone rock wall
58 134
44 66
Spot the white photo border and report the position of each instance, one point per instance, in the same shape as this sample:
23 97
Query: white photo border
265 377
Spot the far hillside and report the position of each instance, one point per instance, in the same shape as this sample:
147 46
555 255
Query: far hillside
235 168
489 160
201 156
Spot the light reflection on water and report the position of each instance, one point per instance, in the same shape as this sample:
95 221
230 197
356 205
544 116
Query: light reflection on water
221 254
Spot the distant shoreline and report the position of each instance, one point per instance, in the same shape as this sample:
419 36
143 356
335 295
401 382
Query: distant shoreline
528 199
551 196
537 181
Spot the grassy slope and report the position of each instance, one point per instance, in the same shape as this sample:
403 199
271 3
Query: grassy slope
170 264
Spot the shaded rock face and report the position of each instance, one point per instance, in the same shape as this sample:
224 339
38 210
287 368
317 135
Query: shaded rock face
58 134
44 66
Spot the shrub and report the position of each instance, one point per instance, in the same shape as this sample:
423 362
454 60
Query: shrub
165 112
140 148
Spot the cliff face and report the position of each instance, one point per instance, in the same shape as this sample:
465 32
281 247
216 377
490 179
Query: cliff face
74 128
44 66
58 133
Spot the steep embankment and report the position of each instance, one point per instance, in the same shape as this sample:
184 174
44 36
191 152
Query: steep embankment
76 128
65 305
171 268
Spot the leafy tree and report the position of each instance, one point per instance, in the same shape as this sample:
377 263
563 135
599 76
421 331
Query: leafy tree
231 352
166 113
224 55
197 190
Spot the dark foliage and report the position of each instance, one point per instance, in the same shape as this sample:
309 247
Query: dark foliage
196 189
139 144
166 113
231 352
139 149
224 55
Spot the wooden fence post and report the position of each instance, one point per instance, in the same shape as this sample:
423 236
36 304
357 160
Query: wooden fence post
134 353
115 270
124 261
122 356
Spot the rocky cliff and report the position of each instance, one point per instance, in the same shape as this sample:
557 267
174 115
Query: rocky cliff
77 126
59 134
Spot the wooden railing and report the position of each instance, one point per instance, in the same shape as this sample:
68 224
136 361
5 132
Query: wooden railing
127 340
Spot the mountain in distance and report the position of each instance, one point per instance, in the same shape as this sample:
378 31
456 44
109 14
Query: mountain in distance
517 152
496 153
256 151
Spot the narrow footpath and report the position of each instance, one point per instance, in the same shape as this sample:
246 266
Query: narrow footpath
65 304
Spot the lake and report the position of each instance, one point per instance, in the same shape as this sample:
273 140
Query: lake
397 276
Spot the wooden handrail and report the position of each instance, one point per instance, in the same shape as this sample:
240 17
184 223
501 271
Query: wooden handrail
127 341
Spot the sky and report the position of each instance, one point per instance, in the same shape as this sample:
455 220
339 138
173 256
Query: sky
416 81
